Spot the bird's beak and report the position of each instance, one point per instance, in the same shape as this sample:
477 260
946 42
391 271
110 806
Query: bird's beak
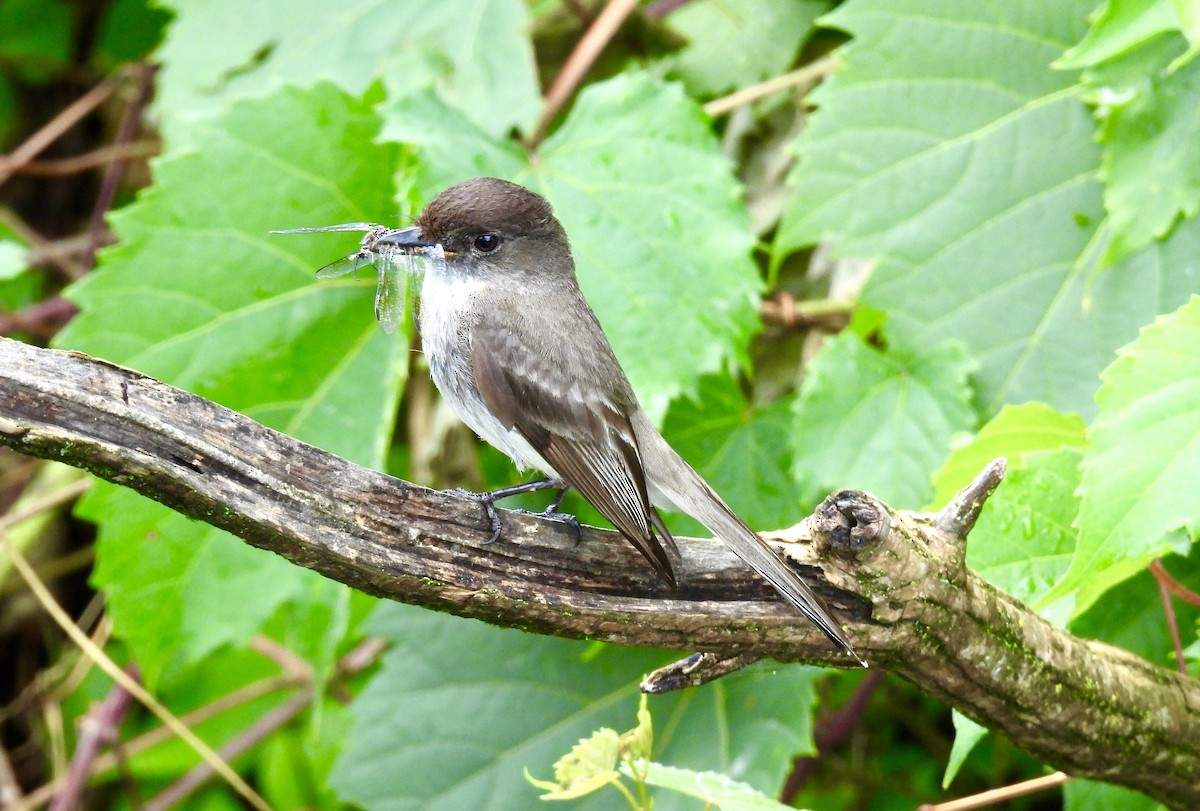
407 238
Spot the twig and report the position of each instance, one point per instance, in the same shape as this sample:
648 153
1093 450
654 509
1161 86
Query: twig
42 248
578 63
1000 795
1174 586
90 160
42 319
160 734
255 734
809 73
958 518
46 688
54 128
67 246
664 7
113 172
10 787
294 666
47 502
831 731
1164 592
361 657
82 666
56 568
784 310
51 606
99 727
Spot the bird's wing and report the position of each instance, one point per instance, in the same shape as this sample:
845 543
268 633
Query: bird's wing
580 426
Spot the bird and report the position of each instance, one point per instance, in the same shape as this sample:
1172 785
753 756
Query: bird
518 354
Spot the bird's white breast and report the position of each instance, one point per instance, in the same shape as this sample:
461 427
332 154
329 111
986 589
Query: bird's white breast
447 298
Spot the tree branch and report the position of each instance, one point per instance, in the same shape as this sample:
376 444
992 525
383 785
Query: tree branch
897 580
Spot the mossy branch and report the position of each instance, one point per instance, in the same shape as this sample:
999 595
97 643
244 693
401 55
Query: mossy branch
896 580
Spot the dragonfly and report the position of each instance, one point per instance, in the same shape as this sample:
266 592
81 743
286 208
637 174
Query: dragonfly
389 260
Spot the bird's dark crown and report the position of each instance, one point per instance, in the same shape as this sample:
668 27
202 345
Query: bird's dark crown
487 205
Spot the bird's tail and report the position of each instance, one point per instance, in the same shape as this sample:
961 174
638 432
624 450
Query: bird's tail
673 479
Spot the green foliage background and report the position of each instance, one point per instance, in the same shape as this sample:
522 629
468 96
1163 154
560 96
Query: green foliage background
1024 183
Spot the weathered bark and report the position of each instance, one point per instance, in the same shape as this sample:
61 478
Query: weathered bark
897 580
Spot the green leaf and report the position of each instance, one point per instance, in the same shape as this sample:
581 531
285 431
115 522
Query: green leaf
638 743
12 259
1015 431
129 30
744 454
1119 27
731 45
967 733
878 422
715 789
458 709
1188 14
1141 474
1131 615
476 53
198 295
1151 132
660 234
1088 795
749 728
1024 540
35 37
183 691
922 159
589 766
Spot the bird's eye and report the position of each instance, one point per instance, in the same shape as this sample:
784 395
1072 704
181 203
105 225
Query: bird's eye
486 243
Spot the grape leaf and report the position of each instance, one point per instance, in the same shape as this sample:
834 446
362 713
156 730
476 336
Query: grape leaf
660 233
476 53
1013 432
1141 474
1088 795
715 789
1151 132
1024 540
1119 27
1131 616
743 454
878 422
435 728
197 294
922 159
731 45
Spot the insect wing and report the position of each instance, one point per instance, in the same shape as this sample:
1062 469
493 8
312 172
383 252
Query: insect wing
348 264
389 293
347 226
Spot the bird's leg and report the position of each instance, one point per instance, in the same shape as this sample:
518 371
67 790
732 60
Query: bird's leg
566 518
489 499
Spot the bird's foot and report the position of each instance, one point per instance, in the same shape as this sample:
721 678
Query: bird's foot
488 501
564 518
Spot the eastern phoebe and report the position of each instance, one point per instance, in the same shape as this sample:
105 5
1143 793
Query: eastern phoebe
520 357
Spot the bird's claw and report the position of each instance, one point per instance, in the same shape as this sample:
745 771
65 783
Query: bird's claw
488 500
489 509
